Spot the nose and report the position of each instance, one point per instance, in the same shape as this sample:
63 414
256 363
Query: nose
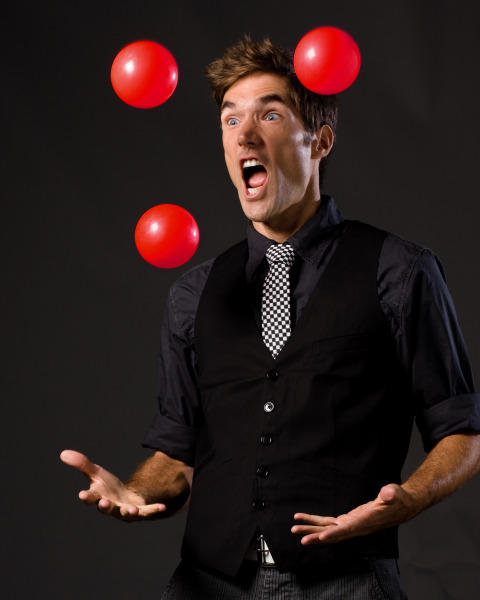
249 134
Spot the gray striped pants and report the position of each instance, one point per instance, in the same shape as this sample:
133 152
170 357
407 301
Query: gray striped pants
365 580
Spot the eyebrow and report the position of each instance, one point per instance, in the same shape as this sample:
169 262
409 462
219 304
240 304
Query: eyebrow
262 101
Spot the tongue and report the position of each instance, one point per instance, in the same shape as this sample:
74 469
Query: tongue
257 179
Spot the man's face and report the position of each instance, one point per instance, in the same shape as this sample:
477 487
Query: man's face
270 157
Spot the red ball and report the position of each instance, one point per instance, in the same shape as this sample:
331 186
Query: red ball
327 60
144 74
167 236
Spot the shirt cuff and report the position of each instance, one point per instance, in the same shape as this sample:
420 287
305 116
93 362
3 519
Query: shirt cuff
453 415
178 441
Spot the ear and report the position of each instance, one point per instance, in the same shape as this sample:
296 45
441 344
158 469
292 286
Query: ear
322 142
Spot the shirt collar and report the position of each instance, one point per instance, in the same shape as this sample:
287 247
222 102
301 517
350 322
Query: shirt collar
307 241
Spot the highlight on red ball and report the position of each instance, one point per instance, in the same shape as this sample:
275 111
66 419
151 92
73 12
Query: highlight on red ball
167 236
144 74
327 60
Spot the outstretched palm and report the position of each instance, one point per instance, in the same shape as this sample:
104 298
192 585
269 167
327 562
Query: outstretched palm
110 494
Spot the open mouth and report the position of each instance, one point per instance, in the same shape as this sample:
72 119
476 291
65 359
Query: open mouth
254 175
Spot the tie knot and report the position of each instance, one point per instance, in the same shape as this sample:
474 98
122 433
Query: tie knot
281 253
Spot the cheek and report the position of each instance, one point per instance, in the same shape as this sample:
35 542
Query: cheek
302 159
296 166
295 155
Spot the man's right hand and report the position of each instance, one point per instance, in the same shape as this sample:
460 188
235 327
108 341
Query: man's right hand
110 494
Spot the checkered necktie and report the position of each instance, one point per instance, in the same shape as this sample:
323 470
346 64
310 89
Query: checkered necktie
276 298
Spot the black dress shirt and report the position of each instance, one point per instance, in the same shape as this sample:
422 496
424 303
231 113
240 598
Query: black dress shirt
413 297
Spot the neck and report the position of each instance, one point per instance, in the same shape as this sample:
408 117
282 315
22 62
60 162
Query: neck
285 225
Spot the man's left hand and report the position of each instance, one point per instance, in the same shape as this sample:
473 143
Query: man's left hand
392 506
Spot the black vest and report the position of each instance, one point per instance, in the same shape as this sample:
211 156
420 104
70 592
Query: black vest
318 430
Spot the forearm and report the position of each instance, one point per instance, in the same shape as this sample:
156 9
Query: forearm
452 462
162 479
447 467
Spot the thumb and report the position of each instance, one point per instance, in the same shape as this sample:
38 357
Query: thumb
388 493
79 461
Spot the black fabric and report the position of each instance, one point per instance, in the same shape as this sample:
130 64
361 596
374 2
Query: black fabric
415 303
340 423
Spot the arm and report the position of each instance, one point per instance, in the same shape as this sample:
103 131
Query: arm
158 488
161 485
431 350
453 461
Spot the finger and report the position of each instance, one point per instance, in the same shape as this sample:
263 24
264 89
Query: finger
148 510
332 536
89 496
311 539
314 519
321 535
79 461
305 529
388 494
131 512
105 506
128 510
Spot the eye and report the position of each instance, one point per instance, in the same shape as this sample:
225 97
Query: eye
231 121
272 116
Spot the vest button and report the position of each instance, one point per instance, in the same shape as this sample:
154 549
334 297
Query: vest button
258 505
266 439
268 407
263 472
273 375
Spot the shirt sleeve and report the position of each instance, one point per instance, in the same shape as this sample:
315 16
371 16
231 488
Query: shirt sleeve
174 428
430 345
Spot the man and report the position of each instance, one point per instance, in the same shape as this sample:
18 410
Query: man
291 369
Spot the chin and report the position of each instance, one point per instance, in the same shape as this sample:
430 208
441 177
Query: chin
254 210
255 216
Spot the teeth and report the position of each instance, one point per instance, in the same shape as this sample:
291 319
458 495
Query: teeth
252 190
252 162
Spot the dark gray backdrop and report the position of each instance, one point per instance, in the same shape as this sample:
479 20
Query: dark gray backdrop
82 310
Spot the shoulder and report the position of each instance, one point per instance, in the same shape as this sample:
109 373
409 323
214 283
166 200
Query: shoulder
400 258
191 283
188 288
184 296
407 272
